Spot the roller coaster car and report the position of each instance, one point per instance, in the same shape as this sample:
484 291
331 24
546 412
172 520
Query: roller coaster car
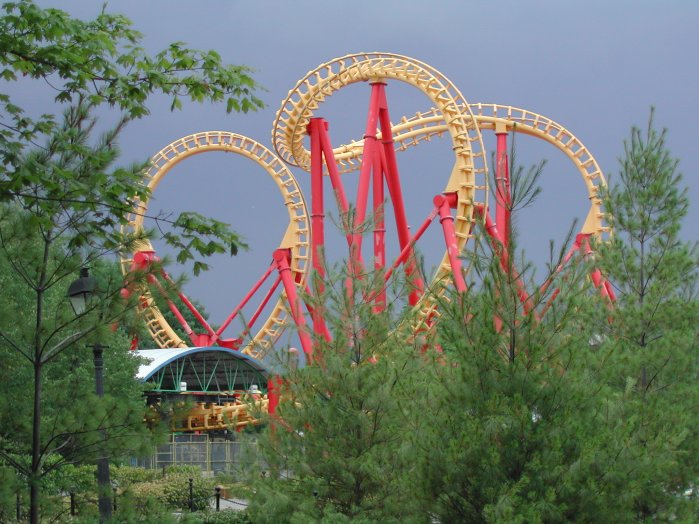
229 415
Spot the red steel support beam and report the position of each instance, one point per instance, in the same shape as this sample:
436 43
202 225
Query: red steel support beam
316 129
331 164
407 250
324 332
379 228
445 203
281 259
202 321
504 257
242 304
395 190
503 197
173 308
365 171
262 305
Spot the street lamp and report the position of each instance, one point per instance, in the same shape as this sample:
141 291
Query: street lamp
79 293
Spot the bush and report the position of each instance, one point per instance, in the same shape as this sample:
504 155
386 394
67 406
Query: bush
173 490
181 469
70 478
227 516
125 476
176 491
149 512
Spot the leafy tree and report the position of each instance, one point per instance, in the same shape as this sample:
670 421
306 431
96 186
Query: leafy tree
72 419
102 60
64 201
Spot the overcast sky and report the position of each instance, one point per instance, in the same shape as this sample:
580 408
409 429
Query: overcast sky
596 67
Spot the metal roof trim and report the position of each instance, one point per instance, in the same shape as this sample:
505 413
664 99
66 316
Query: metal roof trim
158 358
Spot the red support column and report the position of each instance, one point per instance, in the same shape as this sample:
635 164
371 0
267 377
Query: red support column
503 197
325 333
444 203
575 247
365 171
395 190
504 256
173 308
604 287
379 228
262 306
610 290
316 129
281 258
274 387
407 250
335 180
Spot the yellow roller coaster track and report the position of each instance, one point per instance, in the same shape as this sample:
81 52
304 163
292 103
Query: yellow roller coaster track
423 126
451 115
296 238
468 178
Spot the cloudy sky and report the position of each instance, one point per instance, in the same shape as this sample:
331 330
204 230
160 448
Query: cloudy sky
596 67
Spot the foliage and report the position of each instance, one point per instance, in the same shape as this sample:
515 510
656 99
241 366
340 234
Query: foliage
226 516
87 65
173 490
125 476
148 512
63 202
649 342
102 60
337 452
9 488
512 432
548 418
558 406
73 415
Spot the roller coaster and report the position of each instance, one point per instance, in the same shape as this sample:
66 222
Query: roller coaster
275 299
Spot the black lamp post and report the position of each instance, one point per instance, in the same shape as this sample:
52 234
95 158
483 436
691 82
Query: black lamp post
79 293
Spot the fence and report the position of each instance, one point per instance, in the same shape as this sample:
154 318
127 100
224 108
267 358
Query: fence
210 454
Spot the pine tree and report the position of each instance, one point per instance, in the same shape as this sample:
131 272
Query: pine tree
514 428
583 413
338 449
650 337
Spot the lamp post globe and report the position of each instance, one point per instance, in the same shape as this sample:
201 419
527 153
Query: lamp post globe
80 291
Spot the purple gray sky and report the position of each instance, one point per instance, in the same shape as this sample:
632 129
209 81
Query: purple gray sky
596 67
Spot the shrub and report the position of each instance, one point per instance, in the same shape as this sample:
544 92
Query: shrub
176 490
125 476
182 469
173 490
227 516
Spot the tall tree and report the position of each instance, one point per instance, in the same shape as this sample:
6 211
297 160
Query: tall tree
650 339
512 431
584 413
63 196
336 449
